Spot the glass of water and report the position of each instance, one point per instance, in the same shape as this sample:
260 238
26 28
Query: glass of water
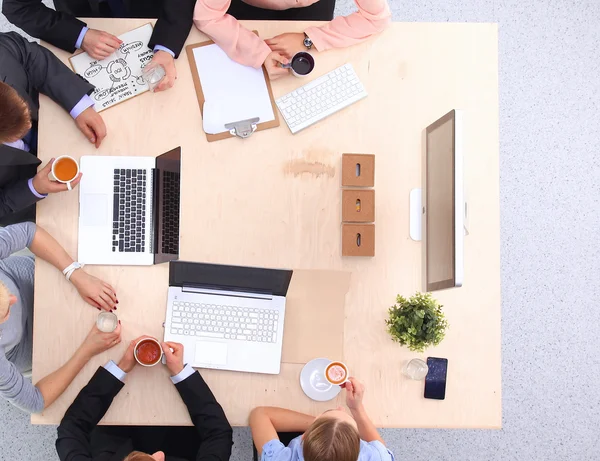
153 75
416 369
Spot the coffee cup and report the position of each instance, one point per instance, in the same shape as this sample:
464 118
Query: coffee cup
301 64
148 352
336 373
65 169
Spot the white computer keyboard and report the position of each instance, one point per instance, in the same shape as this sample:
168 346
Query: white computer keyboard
320 98
226 322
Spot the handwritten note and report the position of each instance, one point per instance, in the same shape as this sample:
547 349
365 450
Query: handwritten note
119 76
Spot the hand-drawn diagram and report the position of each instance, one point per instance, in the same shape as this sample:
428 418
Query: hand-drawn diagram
118 77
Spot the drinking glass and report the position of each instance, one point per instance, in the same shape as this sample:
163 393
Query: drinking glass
416 369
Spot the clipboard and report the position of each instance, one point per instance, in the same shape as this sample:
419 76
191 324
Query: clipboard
240 128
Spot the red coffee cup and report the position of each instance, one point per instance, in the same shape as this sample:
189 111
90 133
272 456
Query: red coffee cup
148 352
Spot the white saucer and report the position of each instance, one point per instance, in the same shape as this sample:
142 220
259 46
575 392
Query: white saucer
313 382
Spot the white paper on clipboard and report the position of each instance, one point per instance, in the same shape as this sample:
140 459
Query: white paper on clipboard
232 92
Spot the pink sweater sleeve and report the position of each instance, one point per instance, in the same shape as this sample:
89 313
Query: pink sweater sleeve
372 17
240 44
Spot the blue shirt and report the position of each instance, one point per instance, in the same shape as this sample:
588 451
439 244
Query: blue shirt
277 451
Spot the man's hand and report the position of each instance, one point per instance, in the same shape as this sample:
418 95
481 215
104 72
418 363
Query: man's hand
94 291
174 358
99 44
273 64
355 390
287 44
90 123
128 361
44 185
164 59
97 341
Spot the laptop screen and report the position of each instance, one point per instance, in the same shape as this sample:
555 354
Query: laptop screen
230 278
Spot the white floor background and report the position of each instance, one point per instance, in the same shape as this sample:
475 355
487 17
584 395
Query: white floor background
550 218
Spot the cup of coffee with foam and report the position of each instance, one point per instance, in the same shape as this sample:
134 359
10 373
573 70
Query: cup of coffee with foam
65 169
301 64
148 352
336 373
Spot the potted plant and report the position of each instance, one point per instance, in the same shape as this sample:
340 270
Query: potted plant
417 322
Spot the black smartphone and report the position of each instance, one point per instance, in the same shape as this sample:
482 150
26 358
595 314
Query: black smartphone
435 381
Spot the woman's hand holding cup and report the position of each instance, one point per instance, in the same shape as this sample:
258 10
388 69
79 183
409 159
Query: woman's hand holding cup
97 342
355 390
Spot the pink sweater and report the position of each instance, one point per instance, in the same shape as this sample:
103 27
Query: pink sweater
243 46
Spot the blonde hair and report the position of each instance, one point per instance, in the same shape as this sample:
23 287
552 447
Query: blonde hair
329 439
4 300
138 456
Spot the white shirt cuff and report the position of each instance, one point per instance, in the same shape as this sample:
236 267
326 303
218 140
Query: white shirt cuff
114 370
82 105
183 374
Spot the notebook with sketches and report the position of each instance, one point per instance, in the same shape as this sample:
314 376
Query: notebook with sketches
229 92
118 77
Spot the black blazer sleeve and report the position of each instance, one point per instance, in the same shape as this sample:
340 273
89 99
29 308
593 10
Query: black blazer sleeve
173 25
55 27
16 197
88 408
216 435
45 72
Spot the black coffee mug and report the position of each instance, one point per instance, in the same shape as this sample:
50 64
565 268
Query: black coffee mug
301 64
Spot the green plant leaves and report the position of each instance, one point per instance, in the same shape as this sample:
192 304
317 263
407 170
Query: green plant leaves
417 322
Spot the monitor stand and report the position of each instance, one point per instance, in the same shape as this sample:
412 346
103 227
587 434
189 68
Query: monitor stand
416 212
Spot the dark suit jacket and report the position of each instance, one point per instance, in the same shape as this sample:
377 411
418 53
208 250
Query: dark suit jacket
61 28
30 69
79 439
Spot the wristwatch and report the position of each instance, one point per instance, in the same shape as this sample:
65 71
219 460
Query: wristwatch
307 42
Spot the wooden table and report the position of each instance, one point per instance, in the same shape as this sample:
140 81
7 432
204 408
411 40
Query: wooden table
274 200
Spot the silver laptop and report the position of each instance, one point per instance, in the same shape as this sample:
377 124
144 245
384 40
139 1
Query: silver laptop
227 317
129 209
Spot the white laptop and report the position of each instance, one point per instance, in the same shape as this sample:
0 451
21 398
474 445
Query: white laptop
129 209
227 317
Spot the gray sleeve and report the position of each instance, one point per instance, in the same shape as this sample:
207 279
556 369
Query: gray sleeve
15 238
18 390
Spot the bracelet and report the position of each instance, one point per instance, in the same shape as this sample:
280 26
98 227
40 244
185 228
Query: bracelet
68 271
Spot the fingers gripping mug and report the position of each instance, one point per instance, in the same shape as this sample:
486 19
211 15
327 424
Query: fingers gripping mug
301 64
65 169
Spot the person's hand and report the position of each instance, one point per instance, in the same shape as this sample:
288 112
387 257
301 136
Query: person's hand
44 185
90 123
98 341
128 361
94 291
173 357
273 64
355 390
164 59
287 44
99 44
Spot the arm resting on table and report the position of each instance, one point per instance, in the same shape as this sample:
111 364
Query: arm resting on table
55 27
240 44
373 17
88 408
266 422
216 435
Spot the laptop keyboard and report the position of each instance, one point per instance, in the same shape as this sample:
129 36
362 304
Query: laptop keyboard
129 211
170 211
226 322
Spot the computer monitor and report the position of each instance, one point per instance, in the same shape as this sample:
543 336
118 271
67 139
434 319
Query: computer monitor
444 203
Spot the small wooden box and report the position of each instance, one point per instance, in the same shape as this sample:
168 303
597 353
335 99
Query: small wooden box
358 205
358 170
358 239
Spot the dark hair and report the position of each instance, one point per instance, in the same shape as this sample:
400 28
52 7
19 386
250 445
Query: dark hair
15 119
138 456
329 439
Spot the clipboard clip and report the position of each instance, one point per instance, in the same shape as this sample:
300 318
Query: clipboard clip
243 128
